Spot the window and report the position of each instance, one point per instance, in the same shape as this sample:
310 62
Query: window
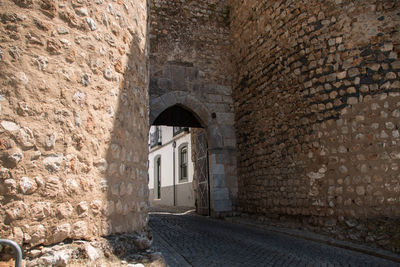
157 177
155 137
183 163
178 130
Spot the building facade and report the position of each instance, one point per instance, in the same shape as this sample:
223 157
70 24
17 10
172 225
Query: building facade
170 167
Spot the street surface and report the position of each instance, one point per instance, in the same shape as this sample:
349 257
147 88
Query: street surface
192 240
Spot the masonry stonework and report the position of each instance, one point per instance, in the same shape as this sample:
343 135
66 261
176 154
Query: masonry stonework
317 110
190 67
74 119
300 101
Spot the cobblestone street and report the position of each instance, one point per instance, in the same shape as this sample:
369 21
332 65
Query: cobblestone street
192 240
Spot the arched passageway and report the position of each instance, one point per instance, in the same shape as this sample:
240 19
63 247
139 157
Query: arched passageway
178 116
190 67
212 158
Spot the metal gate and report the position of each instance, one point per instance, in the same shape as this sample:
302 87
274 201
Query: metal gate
203 188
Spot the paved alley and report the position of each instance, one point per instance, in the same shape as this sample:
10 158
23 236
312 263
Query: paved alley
192 240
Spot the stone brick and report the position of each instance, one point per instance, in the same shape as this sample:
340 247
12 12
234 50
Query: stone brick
79 229
289 123
27 185
302 115
61 232
36 235
195 78
86 99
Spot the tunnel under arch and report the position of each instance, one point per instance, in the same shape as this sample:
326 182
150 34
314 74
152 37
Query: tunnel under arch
178 115
181 109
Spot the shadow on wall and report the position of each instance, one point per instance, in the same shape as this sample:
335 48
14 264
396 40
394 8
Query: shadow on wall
126 210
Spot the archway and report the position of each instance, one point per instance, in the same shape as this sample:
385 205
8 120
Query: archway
186 183
182 109
178 116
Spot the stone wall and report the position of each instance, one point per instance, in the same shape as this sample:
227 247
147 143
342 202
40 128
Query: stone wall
190 66
74 119
317 108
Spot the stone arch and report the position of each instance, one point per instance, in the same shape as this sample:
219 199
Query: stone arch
220 198
181 98
198 108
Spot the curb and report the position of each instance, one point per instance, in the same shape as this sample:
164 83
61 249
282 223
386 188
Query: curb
320 239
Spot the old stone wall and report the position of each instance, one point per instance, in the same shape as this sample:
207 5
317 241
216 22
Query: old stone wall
317 97
190 66
74 119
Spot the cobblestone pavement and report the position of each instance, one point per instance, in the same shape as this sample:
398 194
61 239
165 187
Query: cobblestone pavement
192 240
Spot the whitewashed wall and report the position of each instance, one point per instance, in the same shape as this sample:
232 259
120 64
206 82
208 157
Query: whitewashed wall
184 190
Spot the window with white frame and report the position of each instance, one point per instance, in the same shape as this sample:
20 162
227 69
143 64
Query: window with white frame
183 162
157 177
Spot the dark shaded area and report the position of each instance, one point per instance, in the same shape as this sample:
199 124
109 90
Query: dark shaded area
128 234
192 240
177 116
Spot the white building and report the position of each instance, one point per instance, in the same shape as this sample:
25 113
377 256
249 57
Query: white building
170 167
